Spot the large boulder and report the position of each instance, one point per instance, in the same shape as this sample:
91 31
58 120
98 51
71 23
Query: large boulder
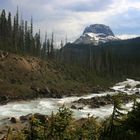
4 99
25 118
13 120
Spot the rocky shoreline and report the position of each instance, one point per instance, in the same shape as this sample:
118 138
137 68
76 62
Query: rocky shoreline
97 102
37 93
45 92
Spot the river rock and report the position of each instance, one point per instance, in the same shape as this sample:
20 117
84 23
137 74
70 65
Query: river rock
4 99
137 92
55 94
80 108
41 117
138 86
73 107
25 118
46 92
37 89
127 86
13 120
95 102
102 103
94 106
97 89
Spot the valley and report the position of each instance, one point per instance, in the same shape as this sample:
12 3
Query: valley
77 90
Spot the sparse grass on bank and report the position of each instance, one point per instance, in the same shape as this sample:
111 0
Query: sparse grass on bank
20 74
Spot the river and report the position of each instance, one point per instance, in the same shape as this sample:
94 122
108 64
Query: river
47 105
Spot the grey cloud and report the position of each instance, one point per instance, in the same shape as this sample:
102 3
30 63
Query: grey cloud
127 23
86 5
71 16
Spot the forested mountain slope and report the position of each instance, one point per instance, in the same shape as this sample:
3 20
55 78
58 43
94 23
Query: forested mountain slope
118 58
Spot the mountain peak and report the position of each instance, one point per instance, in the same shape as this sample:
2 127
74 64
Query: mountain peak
96 34
99 28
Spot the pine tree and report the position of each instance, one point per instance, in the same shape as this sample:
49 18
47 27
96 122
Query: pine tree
9 24
21 37
44 49
66 40
37 44
31 27
31 37
17 19
133 121
9 32
61 44
17 31
52 47
3 29
117 115
27 38
48 48
0 27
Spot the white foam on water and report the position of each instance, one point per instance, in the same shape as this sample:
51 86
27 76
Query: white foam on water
101 112
122 86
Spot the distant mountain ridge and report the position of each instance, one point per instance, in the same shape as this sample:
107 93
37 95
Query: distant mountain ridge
96 34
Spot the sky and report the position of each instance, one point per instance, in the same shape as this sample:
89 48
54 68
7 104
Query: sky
70 17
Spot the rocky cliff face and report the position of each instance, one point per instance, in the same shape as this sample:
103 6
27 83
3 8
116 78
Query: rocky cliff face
99 28
96 34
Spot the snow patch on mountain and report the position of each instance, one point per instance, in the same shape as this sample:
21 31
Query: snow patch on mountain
96 34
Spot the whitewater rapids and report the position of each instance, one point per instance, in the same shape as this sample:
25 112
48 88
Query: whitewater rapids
47 105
